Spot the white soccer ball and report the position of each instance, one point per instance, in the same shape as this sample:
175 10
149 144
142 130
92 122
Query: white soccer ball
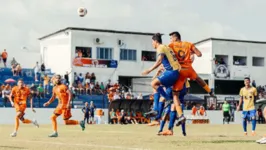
82 11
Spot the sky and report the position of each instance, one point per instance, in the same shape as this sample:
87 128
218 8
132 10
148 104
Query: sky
24 21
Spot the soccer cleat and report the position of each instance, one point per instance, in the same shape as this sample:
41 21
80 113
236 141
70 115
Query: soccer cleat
160 133
35 123
167 132
55 134
14 134
180 120
245 133
184 133
261 140
82 125
151 113
154 123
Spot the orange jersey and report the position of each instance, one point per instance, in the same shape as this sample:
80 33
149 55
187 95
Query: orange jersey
20 95
183 51
202 111
4 55
194 110
61 93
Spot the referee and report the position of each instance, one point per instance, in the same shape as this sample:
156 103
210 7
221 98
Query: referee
226 112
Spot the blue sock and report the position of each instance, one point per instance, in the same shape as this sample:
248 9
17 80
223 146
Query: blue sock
162 125
253 123
244 125
172 119
163 93
156 97
183 125
160 110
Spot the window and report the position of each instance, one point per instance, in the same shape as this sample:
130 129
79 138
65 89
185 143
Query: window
84 52
240 60
128 54
221 60
228 86
195 88
104 53
258 61
148 56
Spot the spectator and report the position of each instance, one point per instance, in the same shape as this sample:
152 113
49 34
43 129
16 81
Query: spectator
46 80
116 95
13 61
33 90
18 70
81 78
92 88
102 87
194 111
43 69
36 71
202 111
66 77
4 57
260 115
92 110
86 111
98 88
226 112
87 88
40 91
254 83
5 94
13 69
80 88
76 78
108 85
123 117
87 77
93 78
113 118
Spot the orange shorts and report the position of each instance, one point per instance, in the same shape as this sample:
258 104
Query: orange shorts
20 107
183 75
63 110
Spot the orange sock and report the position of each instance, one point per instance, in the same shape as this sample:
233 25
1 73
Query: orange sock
54 123
27 121
16 123
71 122
207 88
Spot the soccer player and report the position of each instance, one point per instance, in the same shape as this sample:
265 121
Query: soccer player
168 58
21 94
171 112
64 98
247 97
184 52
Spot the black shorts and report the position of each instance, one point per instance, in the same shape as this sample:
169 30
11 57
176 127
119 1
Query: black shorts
4 60
226 114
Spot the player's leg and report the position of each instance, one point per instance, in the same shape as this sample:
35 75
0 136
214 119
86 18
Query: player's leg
165 116
158 114
67 115
263 139
244 121
253 121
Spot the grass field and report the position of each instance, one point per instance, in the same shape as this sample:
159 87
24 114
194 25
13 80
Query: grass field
130 137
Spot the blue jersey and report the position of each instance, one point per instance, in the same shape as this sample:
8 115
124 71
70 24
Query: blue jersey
182 94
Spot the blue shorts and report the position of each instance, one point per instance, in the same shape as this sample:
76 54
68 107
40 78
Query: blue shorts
249 114
168 78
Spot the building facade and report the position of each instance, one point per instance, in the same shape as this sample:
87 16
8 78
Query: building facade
114 55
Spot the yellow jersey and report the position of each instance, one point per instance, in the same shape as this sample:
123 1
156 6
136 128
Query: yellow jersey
170 61
248 95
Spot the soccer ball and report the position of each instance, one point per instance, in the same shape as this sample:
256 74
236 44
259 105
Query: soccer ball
82 11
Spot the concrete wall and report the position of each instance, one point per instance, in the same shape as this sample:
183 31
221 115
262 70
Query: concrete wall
43 116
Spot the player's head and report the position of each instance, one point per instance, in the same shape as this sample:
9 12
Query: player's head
225 102
20 83
86 104
175 36
247 81
57 79
156 40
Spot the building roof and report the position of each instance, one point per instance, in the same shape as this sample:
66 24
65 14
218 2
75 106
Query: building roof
96 30
230 40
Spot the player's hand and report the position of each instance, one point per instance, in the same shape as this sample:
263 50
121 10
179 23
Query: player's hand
146 72
12 104
45 104
238 108
68 106
33 110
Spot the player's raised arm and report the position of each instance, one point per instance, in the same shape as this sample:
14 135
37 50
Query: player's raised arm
156 65
196 51
50 100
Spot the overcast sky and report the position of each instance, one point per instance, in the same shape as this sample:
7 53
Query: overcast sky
23 21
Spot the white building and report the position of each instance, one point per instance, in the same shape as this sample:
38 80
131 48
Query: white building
115 55
225 63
